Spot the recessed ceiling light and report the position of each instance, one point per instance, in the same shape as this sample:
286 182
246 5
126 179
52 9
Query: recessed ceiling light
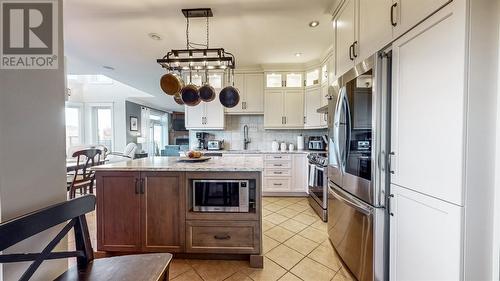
298 54
314 23
154 36
108 67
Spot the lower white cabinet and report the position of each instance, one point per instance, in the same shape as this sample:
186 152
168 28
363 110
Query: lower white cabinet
425 237
285 173
206 115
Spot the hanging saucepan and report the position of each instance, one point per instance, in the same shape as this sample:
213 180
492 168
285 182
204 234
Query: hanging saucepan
190 94
229 96
171 84
178 99
207 92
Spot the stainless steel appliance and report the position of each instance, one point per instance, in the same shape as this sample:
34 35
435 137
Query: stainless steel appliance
358 139
215 145
202 140
316 143
318 184
221 195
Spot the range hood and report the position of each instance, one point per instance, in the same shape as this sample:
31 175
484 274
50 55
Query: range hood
323 109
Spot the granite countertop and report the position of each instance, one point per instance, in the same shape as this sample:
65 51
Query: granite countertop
263 151
215 164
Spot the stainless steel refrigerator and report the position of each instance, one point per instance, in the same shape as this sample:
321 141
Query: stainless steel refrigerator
357 178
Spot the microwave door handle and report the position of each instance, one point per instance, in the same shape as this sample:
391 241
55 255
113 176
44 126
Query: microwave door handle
351 201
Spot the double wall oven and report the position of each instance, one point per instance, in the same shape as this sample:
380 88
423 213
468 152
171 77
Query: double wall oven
358 130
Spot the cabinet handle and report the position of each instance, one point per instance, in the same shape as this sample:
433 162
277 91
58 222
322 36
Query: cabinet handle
277 157
222 237
278 184
282 120
389 203
143 183
350 53
305 120
278 173
278 165
137 186
354 45
393 22
285 120
392 153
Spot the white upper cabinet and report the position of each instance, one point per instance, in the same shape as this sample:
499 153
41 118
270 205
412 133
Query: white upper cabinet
428 107
345 37
294 80
284 80
312 77
408 13
375 28
284 109
251 88
312 101
424 230
206 115
274 80
324 73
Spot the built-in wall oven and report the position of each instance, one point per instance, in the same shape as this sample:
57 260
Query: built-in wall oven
358 132
222 195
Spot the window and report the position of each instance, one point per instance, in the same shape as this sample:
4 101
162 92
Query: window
103 126
74 135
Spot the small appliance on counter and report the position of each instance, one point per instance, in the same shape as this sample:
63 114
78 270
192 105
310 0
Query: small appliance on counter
202 140
275 146
300 142
316 143
215 145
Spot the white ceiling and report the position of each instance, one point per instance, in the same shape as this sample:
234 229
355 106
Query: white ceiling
114 33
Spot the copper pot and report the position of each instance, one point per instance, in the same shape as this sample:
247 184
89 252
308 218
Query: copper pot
207 93
178 99
229 97
190 95
171 84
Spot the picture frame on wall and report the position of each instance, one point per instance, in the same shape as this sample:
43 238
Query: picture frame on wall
134 124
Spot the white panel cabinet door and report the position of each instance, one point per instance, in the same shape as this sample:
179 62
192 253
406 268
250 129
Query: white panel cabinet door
214 115
428 110
299 172
273 109
195 117
375 29
294 108
411 12
239 83
312 101
425 237
254 93
345 37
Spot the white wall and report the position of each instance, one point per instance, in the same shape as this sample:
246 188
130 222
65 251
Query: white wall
32 152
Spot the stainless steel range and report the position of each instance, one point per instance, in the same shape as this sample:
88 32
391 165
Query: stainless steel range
357 178
318 184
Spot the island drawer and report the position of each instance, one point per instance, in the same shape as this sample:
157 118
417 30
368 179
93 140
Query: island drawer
278 172
232 237
278 165
278 157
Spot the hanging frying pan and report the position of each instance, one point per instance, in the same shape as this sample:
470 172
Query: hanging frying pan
190 94
178 99
229 96
171 84
207 92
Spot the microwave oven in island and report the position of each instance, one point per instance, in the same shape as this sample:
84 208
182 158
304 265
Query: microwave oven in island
223 195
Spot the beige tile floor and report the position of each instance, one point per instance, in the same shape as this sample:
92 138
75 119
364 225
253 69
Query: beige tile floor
295 245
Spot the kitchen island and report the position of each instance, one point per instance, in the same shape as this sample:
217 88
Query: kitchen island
147 205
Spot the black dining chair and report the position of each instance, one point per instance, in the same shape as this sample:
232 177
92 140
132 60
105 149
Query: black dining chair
84 177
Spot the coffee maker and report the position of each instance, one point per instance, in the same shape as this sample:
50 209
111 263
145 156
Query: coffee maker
202 140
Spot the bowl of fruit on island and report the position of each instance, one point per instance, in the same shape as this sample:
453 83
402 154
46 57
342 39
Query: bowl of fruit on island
193 156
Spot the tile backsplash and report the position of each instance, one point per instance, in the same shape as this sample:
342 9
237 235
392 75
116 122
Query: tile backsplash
260 139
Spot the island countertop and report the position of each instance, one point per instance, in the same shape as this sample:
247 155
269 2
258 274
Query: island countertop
215 164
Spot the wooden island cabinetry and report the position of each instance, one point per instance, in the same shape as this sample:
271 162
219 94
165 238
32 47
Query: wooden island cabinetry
151 210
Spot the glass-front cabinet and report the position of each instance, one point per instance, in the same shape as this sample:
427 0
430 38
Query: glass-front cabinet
284 80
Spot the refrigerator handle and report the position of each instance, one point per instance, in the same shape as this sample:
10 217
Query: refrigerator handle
348 130
351 201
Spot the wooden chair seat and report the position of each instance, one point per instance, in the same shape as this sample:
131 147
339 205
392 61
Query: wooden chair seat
146 267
